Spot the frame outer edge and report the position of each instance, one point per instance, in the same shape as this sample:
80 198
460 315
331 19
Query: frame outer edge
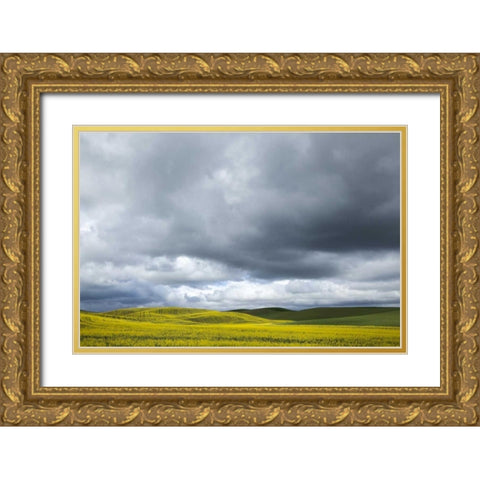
290 69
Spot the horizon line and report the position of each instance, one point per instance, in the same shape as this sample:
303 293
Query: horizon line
248 309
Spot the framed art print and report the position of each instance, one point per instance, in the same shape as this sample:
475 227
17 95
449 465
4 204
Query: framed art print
239 239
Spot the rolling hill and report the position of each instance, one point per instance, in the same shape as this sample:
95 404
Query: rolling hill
183 327
386 316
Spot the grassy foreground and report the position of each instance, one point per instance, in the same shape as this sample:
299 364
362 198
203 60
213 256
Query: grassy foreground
267 327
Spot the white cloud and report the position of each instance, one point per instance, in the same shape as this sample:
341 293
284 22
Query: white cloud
280 293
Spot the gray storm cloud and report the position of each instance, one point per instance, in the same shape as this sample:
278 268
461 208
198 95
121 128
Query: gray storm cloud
239 219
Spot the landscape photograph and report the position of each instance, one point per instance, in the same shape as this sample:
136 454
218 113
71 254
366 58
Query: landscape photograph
232 238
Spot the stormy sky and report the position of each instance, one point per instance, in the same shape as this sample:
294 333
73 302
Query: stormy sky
239 220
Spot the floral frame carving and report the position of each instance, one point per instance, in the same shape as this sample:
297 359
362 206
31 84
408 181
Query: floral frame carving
23 77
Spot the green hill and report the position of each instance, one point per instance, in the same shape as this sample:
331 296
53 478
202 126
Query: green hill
387 316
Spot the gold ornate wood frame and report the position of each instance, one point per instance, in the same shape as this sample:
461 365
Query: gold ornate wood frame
24 77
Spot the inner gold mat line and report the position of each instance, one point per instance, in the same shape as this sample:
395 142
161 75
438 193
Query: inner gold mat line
78 129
